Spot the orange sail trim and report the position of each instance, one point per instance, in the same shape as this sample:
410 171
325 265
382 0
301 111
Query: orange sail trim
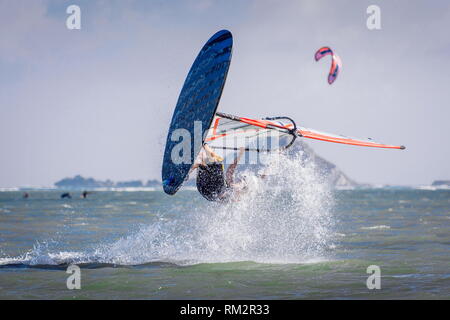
258 123
322 137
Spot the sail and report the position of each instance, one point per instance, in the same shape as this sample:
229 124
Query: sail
230 132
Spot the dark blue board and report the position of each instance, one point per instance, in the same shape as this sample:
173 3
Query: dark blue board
198 101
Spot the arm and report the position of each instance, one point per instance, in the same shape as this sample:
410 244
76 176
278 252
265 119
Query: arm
211 154
229 176
208 152
195 166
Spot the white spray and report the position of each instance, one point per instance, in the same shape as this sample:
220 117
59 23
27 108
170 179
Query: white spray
284 218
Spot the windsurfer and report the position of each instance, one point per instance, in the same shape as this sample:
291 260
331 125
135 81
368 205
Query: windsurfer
212 182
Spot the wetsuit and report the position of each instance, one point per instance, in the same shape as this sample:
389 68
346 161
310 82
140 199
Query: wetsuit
211 181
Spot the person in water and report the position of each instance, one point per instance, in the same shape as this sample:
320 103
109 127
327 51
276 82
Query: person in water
212 182
66 195
85 194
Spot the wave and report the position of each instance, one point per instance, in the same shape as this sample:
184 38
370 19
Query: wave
9 189
380 227
433 188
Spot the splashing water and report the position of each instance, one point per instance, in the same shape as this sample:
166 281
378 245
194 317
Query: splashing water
284 218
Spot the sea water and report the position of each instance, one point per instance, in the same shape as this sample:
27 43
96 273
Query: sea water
290 236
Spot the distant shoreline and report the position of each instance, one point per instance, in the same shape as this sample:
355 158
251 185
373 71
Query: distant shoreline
79 183
191 187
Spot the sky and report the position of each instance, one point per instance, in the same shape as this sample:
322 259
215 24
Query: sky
98 101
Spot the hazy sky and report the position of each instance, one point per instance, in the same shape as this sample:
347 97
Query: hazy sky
98 101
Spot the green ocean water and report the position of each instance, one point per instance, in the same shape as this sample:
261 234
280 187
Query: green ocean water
147 245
